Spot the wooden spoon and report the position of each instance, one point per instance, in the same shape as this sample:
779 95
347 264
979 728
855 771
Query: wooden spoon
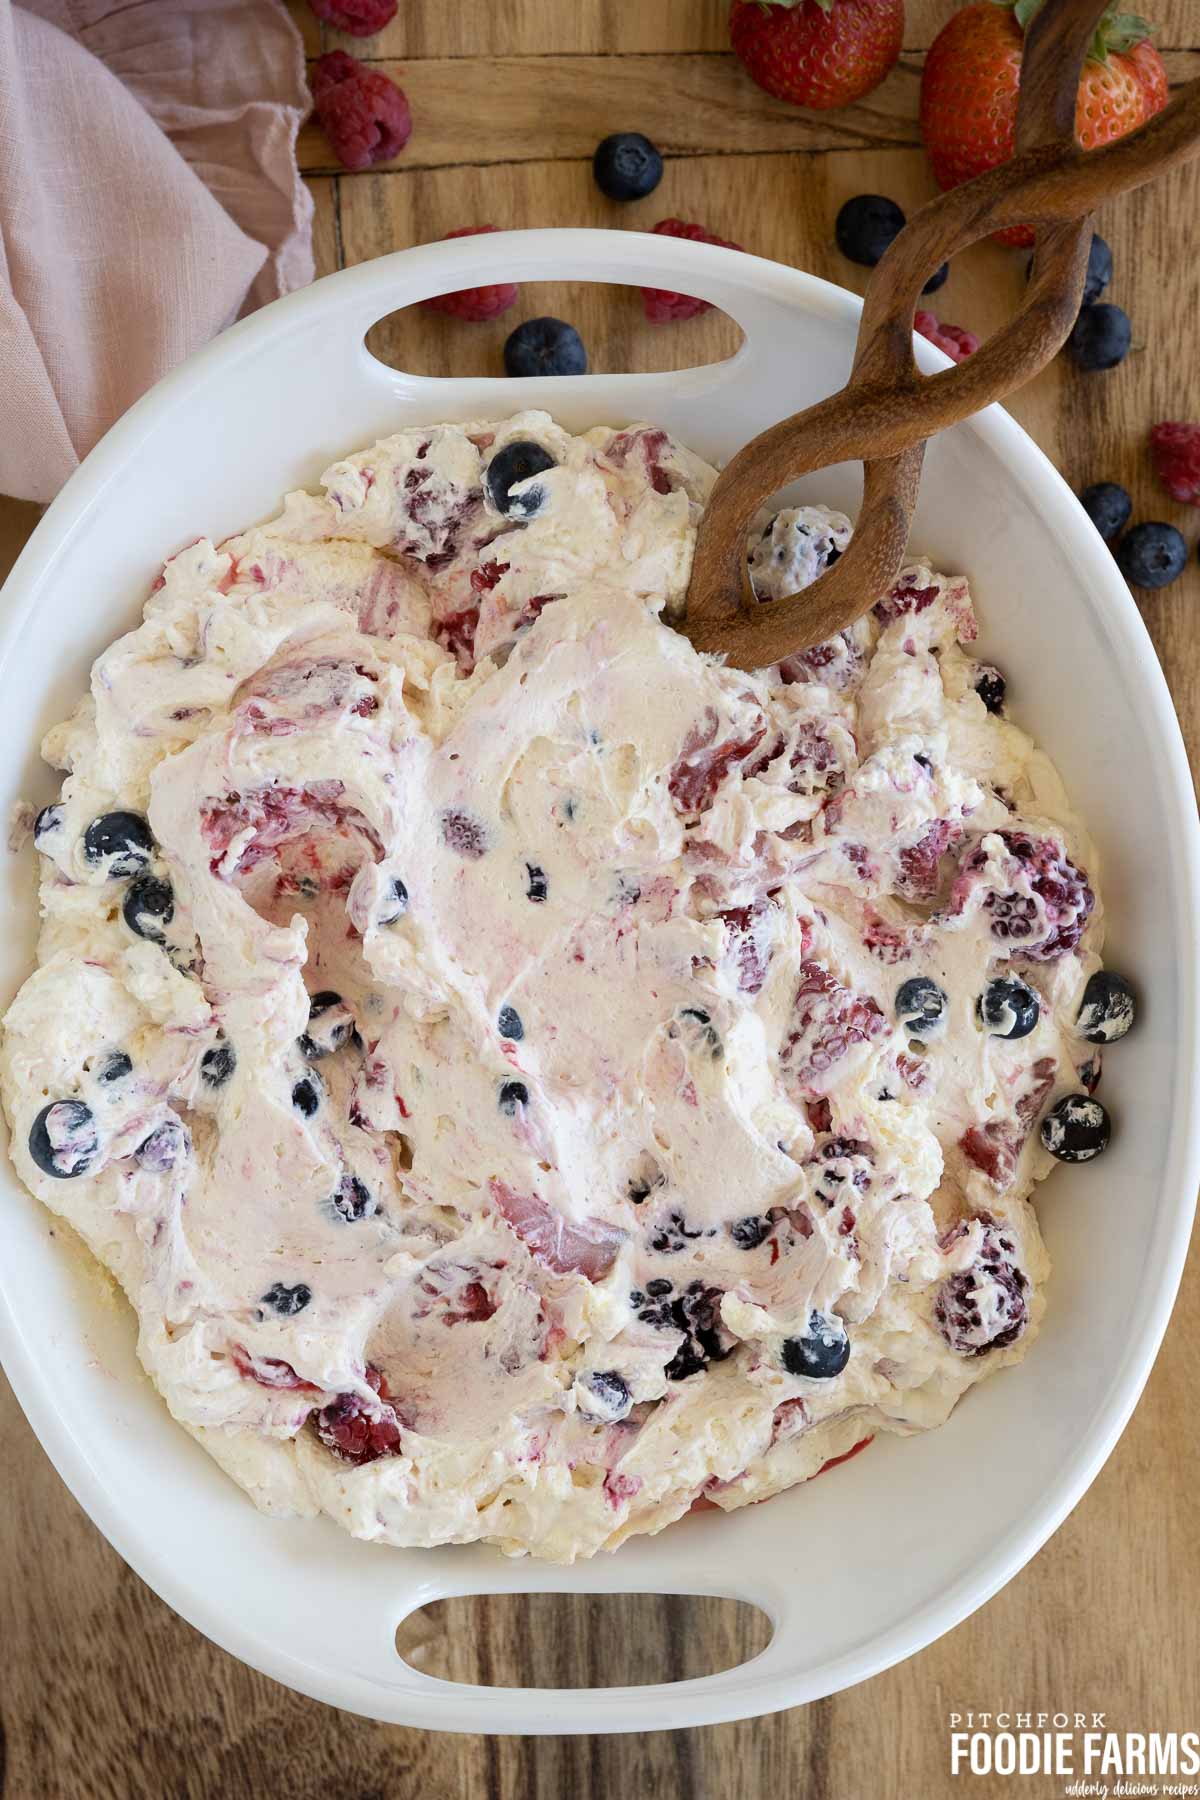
888 409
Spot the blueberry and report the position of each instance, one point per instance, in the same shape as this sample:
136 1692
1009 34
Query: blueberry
149 907
1008 1007
921 1007
1152 554
1099 270
395 903
545 347
115 1067
330 1025
512 1094
122 840
510 1025
610 1393
1101 337
1106 1011
991 687
866 226
288 1301
218 1063
749 1233
166 1147
1076 1129
352 1199
658 1287
63 1141
515 463
627 166
306 1096
538 887
49 820
1108 506
821 1353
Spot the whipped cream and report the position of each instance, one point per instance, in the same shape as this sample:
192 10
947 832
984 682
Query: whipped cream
468 1022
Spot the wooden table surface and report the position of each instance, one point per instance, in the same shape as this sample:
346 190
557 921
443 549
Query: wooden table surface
103 1691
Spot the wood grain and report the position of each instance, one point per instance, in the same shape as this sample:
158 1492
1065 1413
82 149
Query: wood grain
104 1693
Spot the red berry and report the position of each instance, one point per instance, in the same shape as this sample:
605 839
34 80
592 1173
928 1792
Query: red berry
830 1020
475 304
957 343
1045 901
1175 448
363 114
703 763
818 53
361 18
661 304
984 1307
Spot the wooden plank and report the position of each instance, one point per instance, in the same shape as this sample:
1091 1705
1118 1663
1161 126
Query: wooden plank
509 110
424 28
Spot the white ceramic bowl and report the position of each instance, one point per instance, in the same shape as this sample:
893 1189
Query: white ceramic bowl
862 1568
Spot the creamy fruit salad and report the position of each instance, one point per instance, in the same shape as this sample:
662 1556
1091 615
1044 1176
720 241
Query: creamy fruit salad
528 1078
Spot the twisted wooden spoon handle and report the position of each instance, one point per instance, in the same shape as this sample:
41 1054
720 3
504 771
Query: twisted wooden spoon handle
888 409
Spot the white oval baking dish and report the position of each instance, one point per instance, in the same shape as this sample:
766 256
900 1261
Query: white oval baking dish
870 1564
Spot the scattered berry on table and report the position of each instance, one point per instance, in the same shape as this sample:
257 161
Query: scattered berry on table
821 1353
661 305
921 1007
627 166
1076 1129
1108 506
865 228
1107 1009
971 78
955 340
63 1141
1101 337
48 821
306 1096
476 304
364 115
984 1308
287 1301
395 902
1152 554
510 1024
1008 1007
149 907
218 1063
352 1199
115 1067
991 687
514 464
818 53
545 347
1175 450
119 840
361 18
1099 270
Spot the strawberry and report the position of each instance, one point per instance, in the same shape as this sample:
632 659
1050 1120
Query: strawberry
973 73
818 53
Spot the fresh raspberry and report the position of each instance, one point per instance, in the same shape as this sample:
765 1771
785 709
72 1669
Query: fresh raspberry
357 1433
1175 448
475 304
661 304
953 339
363 114
361 18
1045 903
984 1308
830 1021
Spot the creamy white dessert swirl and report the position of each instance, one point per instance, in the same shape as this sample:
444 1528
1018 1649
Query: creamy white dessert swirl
526 1076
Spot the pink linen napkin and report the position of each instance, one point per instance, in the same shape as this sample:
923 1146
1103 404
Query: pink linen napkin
149 196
